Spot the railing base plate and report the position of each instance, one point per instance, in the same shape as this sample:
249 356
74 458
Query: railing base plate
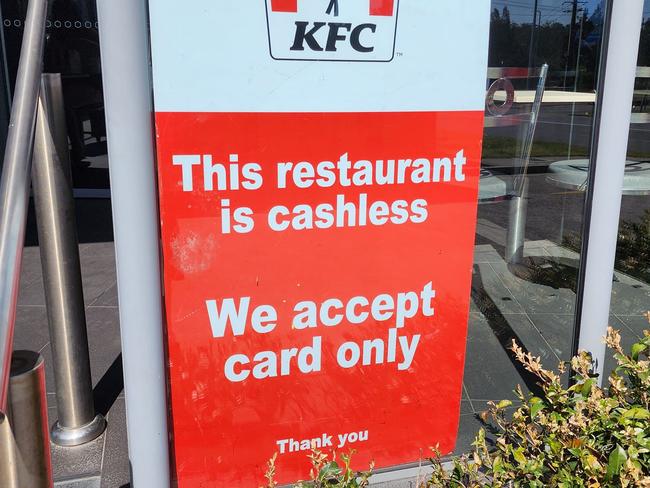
65 437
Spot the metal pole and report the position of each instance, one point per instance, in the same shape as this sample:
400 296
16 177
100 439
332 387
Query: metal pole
25 445
531 48
517 225
14 187
575 86
609 148
57 236
56 116
127 92
516 236
8 454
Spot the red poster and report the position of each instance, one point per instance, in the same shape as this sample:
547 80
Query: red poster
317 242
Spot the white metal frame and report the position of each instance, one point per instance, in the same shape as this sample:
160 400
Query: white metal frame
127 92
607 167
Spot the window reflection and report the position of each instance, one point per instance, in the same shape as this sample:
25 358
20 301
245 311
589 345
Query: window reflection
72 49
528 234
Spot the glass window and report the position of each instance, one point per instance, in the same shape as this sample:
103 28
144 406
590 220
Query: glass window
530 213
72 49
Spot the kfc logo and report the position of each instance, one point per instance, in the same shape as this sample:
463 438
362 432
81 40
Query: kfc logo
332 30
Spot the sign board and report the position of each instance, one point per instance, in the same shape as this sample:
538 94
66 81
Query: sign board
360 31
318 168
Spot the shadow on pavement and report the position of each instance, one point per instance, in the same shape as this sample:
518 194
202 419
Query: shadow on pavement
502 330
109 387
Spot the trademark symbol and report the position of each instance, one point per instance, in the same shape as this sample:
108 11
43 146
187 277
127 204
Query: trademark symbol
399 54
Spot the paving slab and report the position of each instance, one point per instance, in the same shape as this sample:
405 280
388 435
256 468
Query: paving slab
116 473
491 372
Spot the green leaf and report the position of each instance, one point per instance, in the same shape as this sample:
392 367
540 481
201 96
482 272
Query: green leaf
616 460
591 461
637 349
497 465
576 452
636 413
503 404
536 404
518 454
329 471
555 445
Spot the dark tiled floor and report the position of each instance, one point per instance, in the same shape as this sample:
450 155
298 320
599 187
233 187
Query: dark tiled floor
534 308
107 456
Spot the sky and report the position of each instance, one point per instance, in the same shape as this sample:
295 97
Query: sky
521 11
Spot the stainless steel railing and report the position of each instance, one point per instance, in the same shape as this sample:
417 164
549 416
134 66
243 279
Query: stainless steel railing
14 187
38 101
24 438
57 236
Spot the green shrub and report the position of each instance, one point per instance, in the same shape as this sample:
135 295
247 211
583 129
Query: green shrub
325 473
577 436
632 247
571 437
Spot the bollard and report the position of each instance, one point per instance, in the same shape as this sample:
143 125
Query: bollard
57 235
8 461
517 226
24 441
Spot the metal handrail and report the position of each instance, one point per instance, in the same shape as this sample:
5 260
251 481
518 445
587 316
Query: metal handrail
527 145
14 186
496 72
